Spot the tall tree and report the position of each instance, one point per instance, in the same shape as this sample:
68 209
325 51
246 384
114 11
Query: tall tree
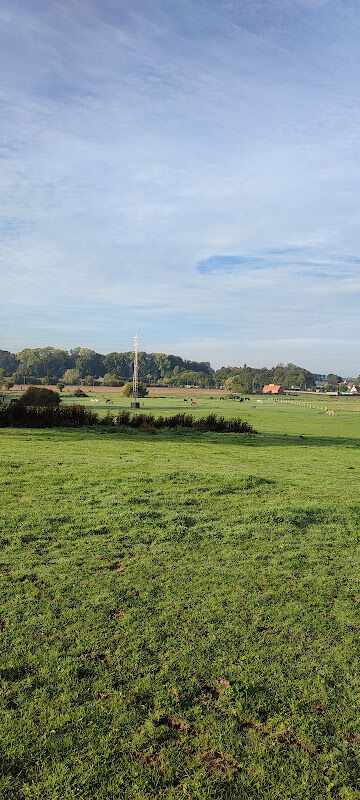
9 362
41 362
87 362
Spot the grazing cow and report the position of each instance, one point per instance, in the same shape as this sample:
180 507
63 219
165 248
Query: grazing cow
330 412
254 406
185 399
259 401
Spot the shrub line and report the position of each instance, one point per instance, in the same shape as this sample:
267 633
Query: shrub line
17 414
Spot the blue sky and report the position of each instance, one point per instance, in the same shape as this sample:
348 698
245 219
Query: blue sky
188 170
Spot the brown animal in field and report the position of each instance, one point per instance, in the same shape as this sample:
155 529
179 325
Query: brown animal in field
254 406
330 412
193 403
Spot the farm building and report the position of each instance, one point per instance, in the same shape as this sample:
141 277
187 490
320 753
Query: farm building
354 389
273 388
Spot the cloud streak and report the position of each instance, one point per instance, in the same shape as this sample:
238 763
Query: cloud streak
181 170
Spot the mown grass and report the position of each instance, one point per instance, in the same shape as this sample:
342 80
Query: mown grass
180 613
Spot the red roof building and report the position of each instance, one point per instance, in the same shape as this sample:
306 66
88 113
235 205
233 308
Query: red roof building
273 388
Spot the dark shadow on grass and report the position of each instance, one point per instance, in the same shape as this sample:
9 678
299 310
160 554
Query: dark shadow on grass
182 435
301 440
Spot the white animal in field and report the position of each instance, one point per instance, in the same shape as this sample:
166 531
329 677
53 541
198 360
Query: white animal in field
259 401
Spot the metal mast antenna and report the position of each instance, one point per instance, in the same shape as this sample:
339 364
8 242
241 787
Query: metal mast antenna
137 341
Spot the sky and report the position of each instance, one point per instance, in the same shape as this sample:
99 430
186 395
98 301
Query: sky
188 170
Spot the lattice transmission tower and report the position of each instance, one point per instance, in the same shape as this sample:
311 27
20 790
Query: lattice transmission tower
136 340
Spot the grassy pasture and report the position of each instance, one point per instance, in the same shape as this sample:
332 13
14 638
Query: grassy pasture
180 613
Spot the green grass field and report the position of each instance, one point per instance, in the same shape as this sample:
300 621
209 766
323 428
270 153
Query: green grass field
180 613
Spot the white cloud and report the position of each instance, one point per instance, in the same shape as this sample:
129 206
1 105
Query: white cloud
138 142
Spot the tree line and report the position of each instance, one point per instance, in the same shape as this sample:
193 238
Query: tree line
81 365
49 365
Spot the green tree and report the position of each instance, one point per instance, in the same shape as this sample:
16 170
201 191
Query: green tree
111 379
118 364
39 396
127 389
249 379
333 379
87 362
2 376
71 377
9 362
163 365
190 377
40 362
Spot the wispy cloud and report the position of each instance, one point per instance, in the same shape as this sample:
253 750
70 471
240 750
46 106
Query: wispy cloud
181 170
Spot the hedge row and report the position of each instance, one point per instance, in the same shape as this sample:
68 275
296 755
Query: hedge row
209 423
19 415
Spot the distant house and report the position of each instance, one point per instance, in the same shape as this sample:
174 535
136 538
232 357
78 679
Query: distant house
273 388
354 389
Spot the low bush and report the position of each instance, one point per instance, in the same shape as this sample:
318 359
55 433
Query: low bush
19 415
127 389
39 396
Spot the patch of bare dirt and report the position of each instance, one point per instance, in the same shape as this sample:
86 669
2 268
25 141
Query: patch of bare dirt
221 761
171 722
216 691
285 737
